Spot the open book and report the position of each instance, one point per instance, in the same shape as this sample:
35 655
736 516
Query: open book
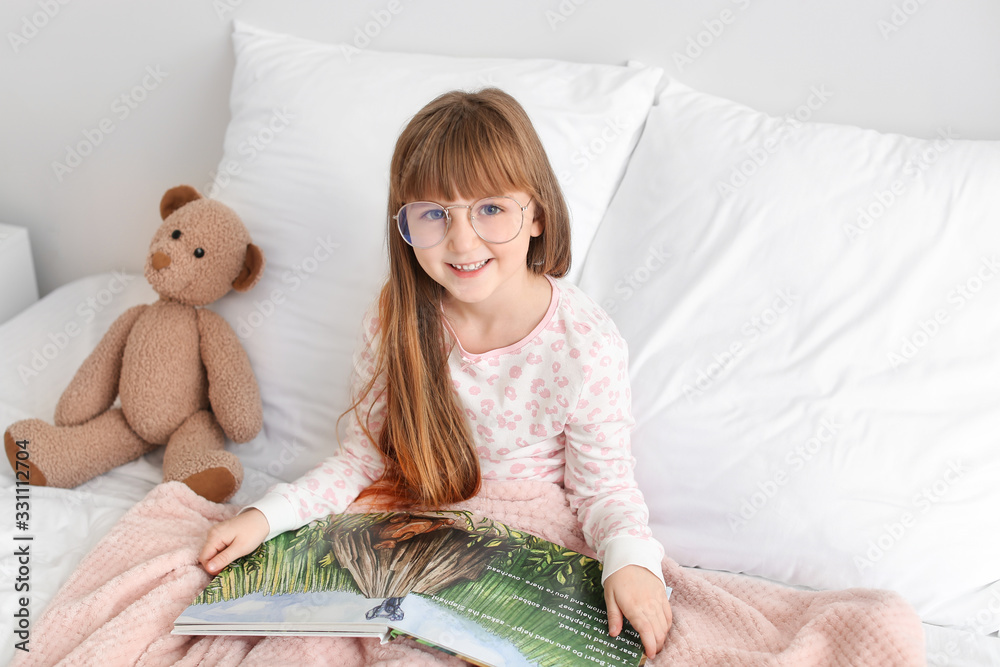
462 583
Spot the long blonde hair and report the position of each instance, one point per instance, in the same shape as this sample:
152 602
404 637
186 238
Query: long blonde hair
460 144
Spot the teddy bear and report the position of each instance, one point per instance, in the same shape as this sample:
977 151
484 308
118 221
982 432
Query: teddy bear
184 379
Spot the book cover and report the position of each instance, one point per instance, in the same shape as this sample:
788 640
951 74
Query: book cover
464 583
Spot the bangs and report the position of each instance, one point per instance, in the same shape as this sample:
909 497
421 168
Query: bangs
465 153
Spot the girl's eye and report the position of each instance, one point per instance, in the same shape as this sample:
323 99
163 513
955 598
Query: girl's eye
490 209
434 214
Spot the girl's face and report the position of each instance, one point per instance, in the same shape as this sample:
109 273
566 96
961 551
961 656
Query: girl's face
454 262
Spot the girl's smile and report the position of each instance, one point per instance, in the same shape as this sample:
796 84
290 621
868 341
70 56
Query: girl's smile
477 273
470 269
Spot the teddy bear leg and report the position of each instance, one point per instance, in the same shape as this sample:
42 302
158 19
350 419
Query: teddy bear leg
195 456
67 456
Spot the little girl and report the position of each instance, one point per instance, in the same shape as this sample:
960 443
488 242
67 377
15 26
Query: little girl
479 362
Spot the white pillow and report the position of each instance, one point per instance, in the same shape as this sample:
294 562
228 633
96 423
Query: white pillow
305 165
813 317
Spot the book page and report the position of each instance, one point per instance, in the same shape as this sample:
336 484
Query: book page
535 603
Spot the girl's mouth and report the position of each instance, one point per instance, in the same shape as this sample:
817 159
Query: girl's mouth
470 269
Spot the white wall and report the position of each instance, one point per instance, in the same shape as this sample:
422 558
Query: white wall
940 68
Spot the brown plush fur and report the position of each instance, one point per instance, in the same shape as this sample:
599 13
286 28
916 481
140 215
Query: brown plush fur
183 378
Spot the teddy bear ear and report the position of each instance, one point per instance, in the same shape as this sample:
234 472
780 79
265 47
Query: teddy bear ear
174 198
253 268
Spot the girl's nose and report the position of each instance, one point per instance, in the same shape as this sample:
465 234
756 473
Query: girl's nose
461 235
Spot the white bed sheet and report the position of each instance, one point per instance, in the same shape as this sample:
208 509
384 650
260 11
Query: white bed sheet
954 647
67 523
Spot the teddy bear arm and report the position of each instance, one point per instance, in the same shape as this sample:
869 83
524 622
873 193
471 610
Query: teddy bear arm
95 386
232 386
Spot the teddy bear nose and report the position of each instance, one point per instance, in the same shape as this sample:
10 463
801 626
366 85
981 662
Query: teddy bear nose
161 260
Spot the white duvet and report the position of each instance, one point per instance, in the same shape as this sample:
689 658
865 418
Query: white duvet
66 523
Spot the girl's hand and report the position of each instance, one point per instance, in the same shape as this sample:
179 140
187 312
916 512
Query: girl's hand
638 594
232 538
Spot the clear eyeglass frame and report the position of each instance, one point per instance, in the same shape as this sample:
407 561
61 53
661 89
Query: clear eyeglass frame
472 219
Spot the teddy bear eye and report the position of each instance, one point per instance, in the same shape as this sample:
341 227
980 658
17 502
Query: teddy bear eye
176 234
199 253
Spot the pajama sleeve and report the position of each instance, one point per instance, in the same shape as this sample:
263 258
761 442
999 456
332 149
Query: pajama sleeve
600 480
333 484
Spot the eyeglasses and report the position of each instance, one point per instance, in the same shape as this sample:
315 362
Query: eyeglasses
424 224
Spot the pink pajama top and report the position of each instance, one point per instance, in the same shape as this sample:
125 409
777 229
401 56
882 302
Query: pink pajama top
553 407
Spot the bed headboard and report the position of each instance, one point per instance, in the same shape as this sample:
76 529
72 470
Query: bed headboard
114 102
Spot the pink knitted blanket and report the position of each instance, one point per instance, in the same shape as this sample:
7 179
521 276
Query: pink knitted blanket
119 606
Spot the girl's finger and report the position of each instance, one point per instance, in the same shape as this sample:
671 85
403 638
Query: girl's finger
223 559
614 614
650 641
218 541
211 548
